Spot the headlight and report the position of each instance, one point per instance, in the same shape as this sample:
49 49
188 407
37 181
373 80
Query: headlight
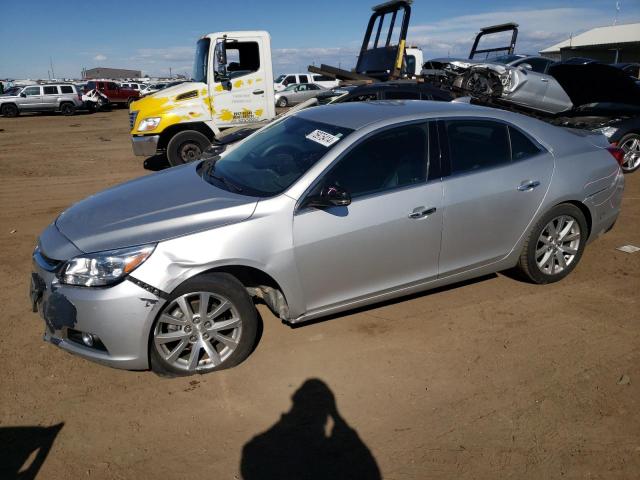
149 124
103 268
607 131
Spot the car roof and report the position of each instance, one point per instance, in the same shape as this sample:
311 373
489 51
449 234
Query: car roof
355 115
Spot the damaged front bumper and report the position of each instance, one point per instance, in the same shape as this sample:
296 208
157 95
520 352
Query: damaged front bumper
145 146
118 317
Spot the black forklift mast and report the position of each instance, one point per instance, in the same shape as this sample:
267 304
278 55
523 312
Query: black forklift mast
379 59
504 27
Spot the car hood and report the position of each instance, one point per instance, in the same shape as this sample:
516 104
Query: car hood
156 207
596 83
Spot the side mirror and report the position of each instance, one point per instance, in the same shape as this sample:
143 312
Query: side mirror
23 95
526 66
221 73
331 196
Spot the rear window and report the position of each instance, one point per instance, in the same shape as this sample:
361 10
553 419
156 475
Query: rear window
477 144
51 90
66 89
402 95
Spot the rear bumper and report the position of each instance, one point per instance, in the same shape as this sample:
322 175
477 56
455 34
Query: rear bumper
145 146
605 206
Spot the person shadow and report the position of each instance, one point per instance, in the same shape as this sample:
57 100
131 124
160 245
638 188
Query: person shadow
298 446
23 450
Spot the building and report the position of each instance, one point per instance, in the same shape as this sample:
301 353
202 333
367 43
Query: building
613 44
104 72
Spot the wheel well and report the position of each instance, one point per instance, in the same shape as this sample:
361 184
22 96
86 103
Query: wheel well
199 127
259 285
7 104
585 211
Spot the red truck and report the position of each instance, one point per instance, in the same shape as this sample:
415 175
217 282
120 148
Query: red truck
115 94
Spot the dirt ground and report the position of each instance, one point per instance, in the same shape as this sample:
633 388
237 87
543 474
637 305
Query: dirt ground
492 379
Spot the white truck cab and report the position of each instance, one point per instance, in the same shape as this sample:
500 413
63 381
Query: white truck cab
232 85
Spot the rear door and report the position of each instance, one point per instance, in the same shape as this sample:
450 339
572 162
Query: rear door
113 92
498 179
390 234
50 97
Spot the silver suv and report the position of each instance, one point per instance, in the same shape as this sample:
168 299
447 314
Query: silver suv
331 208
63 98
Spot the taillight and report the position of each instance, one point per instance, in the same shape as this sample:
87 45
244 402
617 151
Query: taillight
617 153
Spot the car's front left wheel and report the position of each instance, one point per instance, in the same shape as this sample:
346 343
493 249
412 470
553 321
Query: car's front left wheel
208 323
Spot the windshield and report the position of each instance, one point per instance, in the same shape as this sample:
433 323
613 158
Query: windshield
12 91
270 161
201 60
279 79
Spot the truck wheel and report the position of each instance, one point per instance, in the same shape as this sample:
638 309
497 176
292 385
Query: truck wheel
67 109
10 110
186 147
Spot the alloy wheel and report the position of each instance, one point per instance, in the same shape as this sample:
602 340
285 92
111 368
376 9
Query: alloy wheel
197 331
631 148
558 245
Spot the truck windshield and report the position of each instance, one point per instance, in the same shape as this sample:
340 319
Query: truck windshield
201 60
270 161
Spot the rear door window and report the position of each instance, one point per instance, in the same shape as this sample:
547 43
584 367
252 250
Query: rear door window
521 146
51 90
477 144
303 79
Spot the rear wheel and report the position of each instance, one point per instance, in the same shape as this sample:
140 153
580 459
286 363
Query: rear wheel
209 323
555 245
67 109
10 110
630 143
186 147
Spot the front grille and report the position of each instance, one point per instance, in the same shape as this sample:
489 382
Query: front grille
132 119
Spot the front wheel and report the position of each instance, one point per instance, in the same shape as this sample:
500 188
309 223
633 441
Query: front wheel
282 102
555 245
209 323
630 144
186 147
10 110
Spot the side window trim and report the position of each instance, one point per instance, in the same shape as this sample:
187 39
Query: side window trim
424 122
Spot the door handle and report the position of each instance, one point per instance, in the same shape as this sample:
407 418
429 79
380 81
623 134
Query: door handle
258 92
528 185
420 212
544 80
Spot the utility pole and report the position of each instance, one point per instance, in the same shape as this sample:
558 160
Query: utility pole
615 20
169 72
52 72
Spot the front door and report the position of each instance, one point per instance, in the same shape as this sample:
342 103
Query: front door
246 101
389 236
33 99
499 177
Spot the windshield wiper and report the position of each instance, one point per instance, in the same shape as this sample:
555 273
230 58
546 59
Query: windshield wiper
211 173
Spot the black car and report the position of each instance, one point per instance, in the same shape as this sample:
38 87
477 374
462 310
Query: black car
625 133
398 90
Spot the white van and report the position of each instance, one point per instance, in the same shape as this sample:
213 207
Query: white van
286 79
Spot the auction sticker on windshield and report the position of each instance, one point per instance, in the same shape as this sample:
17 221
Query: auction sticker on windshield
323 138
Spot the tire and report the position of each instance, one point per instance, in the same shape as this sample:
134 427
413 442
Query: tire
541 257
67 109
282 102
180 347
186 146
10 110
630 143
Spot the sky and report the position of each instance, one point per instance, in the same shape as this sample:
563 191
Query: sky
154 36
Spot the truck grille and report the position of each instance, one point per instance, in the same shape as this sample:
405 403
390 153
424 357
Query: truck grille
132 119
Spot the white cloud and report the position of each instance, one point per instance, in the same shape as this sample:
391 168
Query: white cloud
100 58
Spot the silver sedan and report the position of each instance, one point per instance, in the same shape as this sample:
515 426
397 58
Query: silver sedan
297 93
323 211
